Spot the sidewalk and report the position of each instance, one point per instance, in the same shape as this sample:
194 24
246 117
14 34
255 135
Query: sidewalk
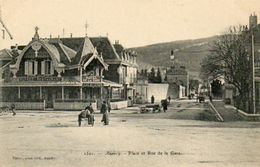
228 114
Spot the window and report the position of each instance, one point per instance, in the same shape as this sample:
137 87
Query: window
46 67
30 67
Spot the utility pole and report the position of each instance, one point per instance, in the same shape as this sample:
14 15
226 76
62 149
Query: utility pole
5 28
253 71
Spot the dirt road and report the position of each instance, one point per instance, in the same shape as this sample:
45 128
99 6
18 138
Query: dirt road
53 139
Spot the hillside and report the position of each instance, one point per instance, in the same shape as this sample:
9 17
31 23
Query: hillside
187 52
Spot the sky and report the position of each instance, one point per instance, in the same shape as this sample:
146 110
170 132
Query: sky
132 22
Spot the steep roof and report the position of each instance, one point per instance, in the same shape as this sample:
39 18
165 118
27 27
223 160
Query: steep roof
119 48
86 50
73 43
105 47
5 54
102 44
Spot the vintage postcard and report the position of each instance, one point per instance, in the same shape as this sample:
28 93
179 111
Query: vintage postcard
125 83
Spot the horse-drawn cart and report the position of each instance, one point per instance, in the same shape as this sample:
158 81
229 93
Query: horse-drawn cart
150 108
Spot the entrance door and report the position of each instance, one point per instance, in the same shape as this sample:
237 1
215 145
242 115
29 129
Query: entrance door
49 102
48 97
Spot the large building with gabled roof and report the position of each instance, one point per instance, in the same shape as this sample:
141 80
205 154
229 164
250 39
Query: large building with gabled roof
66 73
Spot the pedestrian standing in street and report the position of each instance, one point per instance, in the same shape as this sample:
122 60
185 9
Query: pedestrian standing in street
164 104
152 99
91 118
104 111
108 106
169 99
13 109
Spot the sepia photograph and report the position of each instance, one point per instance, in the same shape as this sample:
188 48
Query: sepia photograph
129 83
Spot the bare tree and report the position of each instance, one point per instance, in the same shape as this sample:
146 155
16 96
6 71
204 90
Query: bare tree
229 58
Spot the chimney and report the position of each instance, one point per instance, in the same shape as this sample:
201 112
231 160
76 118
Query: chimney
116 42
252 21
70 35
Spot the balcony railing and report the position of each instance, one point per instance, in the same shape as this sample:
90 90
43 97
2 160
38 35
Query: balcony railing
33 78
91 79
87 79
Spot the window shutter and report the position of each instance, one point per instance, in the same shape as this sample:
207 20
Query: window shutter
30 67
43 67
52 69
26 67
35 67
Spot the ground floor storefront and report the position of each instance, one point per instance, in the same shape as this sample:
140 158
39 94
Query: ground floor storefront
58 97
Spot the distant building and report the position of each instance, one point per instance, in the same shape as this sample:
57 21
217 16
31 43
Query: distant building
141 89
178 79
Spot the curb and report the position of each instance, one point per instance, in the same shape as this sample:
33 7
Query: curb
219 117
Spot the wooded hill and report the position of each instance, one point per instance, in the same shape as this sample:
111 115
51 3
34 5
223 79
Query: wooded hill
187 52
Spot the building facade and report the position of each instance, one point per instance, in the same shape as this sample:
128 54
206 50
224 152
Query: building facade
178 79
63 73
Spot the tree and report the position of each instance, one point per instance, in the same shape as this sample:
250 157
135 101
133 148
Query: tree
158 78
151 76
216 87
229 58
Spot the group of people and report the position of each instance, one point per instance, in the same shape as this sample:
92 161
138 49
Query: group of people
88 113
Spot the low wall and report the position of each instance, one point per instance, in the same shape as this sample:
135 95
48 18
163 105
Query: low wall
25 105
72 105
118 105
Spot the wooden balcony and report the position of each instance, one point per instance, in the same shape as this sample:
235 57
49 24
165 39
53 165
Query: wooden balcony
89 79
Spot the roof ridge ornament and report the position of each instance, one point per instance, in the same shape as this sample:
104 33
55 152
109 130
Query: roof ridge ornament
36 35
86 28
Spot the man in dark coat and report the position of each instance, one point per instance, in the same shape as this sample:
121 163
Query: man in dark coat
152 99
104 111
83 114
13 108
90 117
164 104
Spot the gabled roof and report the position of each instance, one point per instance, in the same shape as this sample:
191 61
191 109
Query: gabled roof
5 54
50 48
106 48
53 50
102 44
68 51
119 48
86 49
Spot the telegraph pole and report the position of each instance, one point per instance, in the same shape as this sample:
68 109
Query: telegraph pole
253 71
5 28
